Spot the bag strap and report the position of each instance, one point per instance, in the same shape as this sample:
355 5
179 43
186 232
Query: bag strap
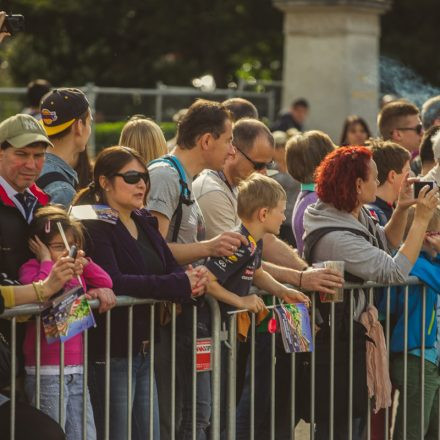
185 193
49 178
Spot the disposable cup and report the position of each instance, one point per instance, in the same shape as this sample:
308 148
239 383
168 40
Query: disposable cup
338 296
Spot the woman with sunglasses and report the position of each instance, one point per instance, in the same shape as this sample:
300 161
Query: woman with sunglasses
138 260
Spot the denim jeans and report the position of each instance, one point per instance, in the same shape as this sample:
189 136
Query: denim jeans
73 402
118 398
263 360
184 375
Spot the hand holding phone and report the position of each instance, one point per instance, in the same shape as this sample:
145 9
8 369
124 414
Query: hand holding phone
419 185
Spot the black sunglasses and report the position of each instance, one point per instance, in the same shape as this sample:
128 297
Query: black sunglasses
258 166
418 128
133 177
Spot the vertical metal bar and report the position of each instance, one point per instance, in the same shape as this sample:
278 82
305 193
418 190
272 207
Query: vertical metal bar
159 101
332 369
271 105
422 365
85 378
252 377
272 383
405 360
37 360
152 372
90 91
292 396
107 377
13 368
129 371
194 376
173 372
350 368
216 367
387 339
61 401
370 302
312 370
232 363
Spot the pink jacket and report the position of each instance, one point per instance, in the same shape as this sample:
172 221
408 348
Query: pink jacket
93 277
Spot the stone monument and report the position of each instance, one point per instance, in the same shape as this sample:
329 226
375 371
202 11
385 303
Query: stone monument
331 58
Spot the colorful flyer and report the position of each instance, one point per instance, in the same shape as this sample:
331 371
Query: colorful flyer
95 212
68 315
294 324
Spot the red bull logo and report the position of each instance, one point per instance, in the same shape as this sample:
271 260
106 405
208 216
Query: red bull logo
48 116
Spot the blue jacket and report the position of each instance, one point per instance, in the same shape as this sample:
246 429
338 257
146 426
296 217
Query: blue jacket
427 271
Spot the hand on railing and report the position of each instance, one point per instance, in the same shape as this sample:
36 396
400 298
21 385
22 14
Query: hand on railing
321 280
253 303
106 297
2 19
198 278
294 296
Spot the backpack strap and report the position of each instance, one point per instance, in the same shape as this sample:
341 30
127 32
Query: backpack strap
185 193
49 178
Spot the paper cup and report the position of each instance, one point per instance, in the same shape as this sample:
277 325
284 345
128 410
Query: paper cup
338 296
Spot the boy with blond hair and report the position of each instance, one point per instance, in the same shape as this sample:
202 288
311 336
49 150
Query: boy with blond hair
261 203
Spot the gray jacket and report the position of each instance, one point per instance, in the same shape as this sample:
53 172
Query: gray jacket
363 258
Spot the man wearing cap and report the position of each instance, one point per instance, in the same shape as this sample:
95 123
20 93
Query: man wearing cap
66 117
23 143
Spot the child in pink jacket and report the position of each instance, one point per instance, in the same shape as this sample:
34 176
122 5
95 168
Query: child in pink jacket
47 245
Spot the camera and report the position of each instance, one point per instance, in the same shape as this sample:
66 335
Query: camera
13 23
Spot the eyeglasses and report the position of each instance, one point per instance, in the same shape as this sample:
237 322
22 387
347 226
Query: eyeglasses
58 246
258 166
418 128
133 177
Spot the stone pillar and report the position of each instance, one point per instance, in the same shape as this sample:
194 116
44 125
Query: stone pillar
331 58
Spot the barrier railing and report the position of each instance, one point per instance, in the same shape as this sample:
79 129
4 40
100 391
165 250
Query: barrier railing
243 417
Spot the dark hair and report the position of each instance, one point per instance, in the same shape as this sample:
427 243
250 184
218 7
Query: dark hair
390 117
304 152
201 118
349 121
44 224
426 153
245 132
82 117
388 156
336 176
108 163
241 108
300 102
84 170
36 89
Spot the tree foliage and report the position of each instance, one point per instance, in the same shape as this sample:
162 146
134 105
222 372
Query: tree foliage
140 42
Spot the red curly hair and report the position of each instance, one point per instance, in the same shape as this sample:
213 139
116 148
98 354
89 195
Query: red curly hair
336 176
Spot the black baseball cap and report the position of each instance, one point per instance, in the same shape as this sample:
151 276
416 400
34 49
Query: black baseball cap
60 108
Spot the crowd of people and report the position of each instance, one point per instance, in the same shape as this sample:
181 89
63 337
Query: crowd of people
229 205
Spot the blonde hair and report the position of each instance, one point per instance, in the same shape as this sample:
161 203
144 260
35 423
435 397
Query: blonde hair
256 192
144 136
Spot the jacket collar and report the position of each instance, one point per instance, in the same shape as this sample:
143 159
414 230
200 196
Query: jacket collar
42 197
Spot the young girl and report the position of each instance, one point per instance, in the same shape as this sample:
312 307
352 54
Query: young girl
48 246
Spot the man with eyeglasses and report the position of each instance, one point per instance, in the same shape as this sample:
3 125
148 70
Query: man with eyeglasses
399 121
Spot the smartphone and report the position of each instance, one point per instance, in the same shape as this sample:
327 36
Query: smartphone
13 23
419 185
73 251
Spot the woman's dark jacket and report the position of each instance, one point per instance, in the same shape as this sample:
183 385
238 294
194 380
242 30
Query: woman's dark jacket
113 248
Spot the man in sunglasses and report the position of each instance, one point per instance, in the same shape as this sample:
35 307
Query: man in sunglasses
399 121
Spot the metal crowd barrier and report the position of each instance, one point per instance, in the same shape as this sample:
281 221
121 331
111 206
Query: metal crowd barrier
229 340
